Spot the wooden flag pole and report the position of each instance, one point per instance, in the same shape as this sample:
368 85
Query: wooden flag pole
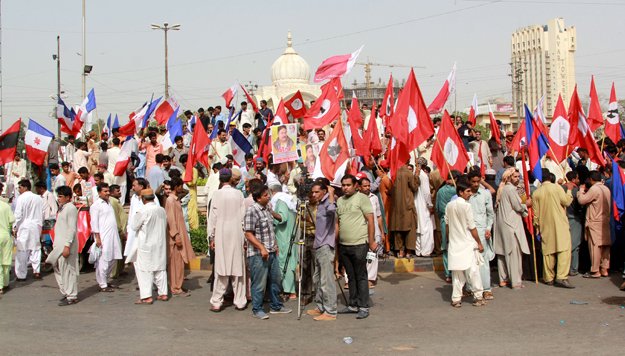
530 211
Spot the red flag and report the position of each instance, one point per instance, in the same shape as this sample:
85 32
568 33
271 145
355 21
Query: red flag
123 158
264 146
373 136
334 152
473 111
296 105
164 111
229 94
613 122
595 116
495 132
280 117
448 87
250 100
449 152
8 142
354 118
129 129
325 110
388 102
198 151
338 87
411 122
398 156
559 132
336 66
526 184
581 134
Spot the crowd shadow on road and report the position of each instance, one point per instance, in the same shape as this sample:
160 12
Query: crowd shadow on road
396 278
194 283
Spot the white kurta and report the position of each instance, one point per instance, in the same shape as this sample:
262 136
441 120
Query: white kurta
113 154
425 229
135 206
50 206
28 221
461 247
225 223
150 226
103 222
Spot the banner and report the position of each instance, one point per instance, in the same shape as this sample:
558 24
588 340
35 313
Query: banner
283 143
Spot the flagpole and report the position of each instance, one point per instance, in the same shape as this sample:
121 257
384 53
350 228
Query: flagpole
530 212
603 139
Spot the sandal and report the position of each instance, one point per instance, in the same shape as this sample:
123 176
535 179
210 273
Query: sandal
107 290
589 275
146 301
162 298
457 304
503 284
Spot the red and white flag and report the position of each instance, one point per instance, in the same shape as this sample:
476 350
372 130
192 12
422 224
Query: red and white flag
613 127
230 94
354 118
473 112
448 88
595 116
581 134
338 87
164 111
334 153
372 136
296 105
336 66
123 159
249 98
495 131
559 132
411 122
388 103
449 152
325 110
280 117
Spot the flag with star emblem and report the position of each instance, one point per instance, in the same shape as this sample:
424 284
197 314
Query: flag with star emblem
37 140
334 152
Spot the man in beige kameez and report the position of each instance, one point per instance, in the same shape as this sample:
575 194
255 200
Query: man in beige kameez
121 217
510 240
403 217
64 255
550 202
180 250
225 231
598 200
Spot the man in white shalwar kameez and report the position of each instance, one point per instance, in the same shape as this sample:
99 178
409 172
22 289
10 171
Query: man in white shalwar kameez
104 227
136 205
225 231
424 208
64 255
463 245
28 223
150 224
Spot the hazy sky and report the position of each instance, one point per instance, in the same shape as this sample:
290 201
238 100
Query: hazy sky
222 42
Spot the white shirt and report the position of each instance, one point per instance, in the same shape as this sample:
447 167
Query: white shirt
50 206
28 221
103 222
150 226
113 154
461 247
80 159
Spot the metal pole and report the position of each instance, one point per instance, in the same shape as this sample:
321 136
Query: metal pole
166 68
84 51
1 104
58 77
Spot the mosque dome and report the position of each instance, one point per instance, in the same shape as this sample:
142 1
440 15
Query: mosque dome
290 68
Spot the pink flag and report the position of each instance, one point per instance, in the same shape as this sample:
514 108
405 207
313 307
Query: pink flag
336 66
450 85
229 95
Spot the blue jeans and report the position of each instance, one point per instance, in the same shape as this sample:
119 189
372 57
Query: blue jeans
260 270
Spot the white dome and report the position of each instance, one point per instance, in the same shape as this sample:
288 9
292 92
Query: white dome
290 68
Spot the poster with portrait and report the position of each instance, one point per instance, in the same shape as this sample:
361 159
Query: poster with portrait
283 143
309 156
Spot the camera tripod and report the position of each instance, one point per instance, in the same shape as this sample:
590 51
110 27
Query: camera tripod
298 237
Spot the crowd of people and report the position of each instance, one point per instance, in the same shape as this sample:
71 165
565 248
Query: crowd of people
479 220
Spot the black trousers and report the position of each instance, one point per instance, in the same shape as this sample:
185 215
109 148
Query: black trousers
354 259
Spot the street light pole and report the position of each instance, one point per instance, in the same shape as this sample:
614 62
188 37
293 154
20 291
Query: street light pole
58 78
84 51
165 27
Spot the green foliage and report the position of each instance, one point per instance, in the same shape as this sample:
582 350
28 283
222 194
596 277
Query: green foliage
199 238
484 131
201 182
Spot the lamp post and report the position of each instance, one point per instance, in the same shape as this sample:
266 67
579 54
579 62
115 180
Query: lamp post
165 27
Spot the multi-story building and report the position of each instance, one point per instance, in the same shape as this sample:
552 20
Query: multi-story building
542 63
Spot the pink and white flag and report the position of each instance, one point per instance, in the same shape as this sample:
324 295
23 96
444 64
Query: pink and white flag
230 94
123 159
336 66
448 88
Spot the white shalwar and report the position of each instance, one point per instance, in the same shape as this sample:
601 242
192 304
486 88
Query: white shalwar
28 222
372 267
150 226
425 229
103 222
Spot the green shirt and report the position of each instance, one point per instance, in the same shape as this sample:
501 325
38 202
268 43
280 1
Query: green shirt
352 223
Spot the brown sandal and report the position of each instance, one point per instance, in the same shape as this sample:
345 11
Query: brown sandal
146 301
162 298
457 304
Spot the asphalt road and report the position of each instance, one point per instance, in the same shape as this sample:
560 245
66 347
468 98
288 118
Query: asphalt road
411 315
